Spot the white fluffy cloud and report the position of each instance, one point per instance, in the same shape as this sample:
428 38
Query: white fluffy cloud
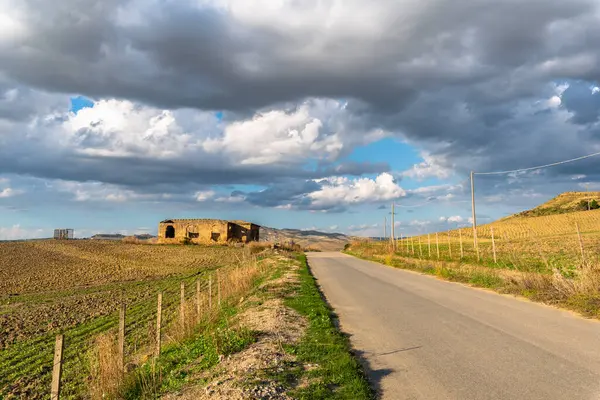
456 219
431 167
319 129
343 191
101 192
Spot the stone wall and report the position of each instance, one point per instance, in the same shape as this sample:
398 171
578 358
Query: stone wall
197 230
206 231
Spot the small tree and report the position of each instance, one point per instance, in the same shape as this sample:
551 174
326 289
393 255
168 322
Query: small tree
594 205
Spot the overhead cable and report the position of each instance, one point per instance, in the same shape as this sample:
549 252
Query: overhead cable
538 167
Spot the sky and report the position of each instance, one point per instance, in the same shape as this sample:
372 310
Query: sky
117 114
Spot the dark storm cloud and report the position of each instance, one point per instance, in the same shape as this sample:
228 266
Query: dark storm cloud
290 192
585 105
177 54
354 168
465 81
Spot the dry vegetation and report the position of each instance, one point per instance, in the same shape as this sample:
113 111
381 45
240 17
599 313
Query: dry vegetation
541 257
75 287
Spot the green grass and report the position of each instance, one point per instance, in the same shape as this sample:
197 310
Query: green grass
28 362
180 363
338 375
491 277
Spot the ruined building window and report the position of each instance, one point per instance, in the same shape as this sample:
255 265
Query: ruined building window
170 232
215 236
193 235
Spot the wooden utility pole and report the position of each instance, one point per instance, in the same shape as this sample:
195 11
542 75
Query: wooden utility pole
474 215
437 244
449 245
57 367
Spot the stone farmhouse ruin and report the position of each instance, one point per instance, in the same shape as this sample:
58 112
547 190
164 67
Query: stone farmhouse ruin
207 231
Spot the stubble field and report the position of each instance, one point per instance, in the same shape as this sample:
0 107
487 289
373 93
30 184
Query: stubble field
75 287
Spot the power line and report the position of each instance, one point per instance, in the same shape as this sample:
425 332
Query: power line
429 201
538 167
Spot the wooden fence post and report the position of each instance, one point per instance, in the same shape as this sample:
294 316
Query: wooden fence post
429 244
494 245
182 305
122 338
57 367
412 244
420 248
461 246
198 298
580 243
158 323
437 244
449 245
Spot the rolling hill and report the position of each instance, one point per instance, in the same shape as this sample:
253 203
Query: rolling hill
309 238
564 203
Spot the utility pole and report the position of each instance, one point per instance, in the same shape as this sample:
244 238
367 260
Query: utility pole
393 230
473 215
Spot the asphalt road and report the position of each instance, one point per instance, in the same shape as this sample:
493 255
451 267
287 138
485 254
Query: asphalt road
423 338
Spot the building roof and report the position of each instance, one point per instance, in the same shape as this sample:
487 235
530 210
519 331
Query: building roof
175 220
240 222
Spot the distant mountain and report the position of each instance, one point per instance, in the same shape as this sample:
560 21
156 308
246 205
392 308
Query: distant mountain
313 239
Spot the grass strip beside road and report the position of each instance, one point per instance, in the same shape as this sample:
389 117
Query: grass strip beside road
578 294
338 374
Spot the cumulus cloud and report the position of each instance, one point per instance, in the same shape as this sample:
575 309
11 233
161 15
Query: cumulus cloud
340 192
430 167
319 129
126 143
456 219
285 94
102 192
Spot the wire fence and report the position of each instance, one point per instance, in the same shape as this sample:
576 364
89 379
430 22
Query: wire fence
29 370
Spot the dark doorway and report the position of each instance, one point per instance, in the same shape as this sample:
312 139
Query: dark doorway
170 232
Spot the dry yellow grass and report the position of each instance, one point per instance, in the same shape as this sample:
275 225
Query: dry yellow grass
105 373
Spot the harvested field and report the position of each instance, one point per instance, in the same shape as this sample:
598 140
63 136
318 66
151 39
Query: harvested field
75 287
43 266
